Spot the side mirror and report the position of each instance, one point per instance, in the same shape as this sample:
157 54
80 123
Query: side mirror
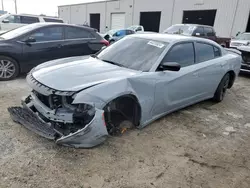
6 21
171 66
30 40
197 34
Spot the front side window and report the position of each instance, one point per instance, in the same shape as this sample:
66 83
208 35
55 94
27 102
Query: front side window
181 53
13 19
199 31
48 34
76 33
209 32
134 53
205 52
29 20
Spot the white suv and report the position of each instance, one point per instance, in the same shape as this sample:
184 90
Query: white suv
13 21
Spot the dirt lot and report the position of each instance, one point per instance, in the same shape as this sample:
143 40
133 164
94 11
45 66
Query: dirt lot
206 145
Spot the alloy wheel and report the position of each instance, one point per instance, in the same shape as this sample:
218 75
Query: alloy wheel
224 88
7 69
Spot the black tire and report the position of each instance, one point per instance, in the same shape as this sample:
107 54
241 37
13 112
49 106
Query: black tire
222 88
8 72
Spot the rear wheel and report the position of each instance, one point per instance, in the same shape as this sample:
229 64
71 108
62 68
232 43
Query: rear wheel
222 88
9 68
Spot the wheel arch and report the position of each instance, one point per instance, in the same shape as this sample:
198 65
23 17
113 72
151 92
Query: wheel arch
130 100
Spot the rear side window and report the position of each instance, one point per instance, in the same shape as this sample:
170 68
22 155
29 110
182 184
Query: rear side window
181 53
52 20
76 33
209 32
29 20
206 52
48 34
199 31
129 32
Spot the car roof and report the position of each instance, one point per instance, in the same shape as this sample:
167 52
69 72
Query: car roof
169 38
41 24
193 25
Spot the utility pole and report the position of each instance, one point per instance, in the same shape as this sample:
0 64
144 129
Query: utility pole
2 6
15 6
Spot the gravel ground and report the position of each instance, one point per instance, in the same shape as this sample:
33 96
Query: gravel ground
204 146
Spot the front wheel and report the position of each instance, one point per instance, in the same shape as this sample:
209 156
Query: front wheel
222 88
9 68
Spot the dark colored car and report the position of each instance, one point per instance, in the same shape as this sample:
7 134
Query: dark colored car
23 48
203 31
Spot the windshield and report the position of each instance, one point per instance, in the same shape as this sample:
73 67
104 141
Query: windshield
133 27
180 29
243 36
17 32
134 53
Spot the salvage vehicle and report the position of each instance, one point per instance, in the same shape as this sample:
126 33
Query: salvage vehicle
23 48
128 85
114 35
202 31
245 53
242 39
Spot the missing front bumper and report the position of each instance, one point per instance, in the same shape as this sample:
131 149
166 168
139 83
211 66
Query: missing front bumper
91 135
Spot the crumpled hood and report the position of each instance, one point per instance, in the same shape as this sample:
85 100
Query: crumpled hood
80 73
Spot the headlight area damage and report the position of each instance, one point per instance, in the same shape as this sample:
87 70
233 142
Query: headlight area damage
56 118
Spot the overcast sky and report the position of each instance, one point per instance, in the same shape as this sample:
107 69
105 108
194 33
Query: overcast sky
48 7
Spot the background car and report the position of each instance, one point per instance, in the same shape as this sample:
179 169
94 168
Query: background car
240 40
202 31
23 48
136 28
115 35
13 21
131 83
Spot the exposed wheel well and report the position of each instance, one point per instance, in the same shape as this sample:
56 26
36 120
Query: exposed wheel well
123 108
232 78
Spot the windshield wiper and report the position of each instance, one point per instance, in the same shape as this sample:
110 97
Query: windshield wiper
113 63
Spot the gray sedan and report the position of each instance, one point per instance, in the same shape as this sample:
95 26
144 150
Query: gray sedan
79 101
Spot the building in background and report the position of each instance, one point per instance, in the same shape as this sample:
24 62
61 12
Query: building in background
227 16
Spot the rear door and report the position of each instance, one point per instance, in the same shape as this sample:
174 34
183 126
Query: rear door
79 41
47 46
209 69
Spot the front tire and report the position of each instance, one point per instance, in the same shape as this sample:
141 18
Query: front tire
222 88
9 68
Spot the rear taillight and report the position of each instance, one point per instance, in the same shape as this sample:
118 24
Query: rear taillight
106 43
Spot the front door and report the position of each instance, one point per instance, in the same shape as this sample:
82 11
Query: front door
175 90
47 45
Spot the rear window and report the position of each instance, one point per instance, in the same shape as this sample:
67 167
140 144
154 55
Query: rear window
29 19
53 20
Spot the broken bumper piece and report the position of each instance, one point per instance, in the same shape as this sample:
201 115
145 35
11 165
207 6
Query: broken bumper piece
91 135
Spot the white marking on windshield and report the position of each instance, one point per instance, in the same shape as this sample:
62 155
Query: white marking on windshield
156 44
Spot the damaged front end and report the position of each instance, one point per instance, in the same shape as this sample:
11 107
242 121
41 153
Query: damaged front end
55 117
